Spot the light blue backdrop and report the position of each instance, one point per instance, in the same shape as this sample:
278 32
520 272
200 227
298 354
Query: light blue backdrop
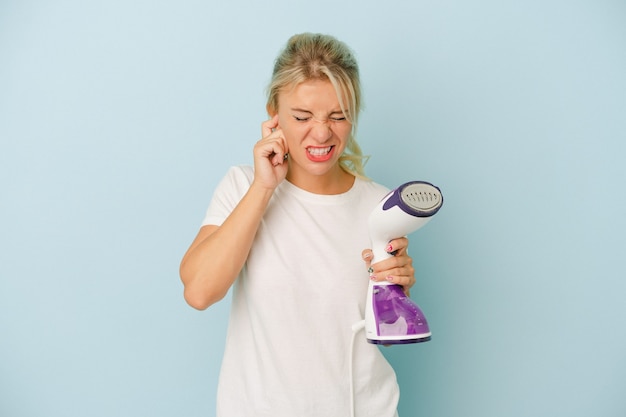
117 119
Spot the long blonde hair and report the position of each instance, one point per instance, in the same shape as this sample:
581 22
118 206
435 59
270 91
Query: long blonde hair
313 56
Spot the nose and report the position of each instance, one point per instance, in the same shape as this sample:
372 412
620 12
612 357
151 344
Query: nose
321 130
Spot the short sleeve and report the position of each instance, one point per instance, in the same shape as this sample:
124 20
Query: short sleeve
228 193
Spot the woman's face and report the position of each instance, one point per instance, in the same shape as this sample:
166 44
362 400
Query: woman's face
314 127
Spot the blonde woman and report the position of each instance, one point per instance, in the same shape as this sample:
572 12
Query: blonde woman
290 236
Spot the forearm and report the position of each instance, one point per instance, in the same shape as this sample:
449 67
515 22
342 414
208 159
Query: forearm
217 255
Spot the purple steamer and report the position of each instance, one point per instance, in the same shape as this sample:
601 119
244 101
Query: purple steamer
397 315
397 319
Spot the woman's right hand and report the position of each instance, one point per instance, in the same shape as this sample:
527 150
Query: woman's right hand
270 155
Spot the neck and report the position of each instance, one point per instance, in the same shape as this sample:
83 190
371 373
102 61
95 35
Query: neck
337 181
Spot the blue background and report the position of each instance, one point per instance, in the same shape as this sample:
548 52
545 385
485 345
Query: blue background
118 118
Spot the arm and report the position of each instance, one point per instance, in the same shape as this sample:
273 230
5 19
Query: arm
218 253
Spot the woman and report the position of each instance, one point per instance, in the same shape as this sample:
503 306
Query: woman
288 233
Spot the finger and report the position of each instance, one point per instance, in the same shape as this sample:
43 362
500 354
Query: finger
279 151
266 149
268 126
398 246
279 158
400 276
378 270
405 282
273 147
367 256
397 261
397 275
397 270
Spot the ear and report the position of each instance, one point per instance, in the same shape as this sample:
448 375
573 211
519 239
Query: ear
271 111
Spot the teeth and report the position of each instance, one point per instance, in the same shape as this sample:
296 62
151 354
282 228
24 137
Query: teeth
319 151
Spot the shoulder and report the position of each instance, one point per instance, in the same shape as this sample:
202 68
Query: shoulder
235 183
238 177
371 188
241 173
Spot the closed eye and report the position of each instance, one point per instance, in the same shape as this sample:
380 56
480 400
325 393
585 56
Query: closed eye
306 119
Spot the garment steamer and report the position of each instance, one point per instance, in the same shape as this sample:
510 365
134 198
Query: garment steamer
391 317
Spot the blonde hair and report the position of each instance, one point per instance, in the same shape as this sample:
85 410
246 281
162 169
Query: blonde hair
312 56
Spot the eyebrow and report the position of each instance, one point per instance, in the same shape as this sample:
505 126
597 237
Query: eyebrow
296 109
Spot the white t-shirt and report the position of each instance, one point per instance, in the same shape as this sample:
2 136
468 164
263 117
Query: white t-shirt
303 286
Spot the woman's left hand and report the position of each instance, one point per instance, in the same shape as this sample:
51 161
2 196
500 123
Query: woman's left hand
397 269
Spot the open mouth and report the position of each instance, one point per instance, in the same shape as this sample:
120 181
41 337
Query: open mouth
317 152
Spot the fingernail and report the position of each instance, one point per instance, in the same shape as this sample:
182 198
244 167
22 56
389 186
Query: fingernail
389 278
367 255
389 248
373 277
